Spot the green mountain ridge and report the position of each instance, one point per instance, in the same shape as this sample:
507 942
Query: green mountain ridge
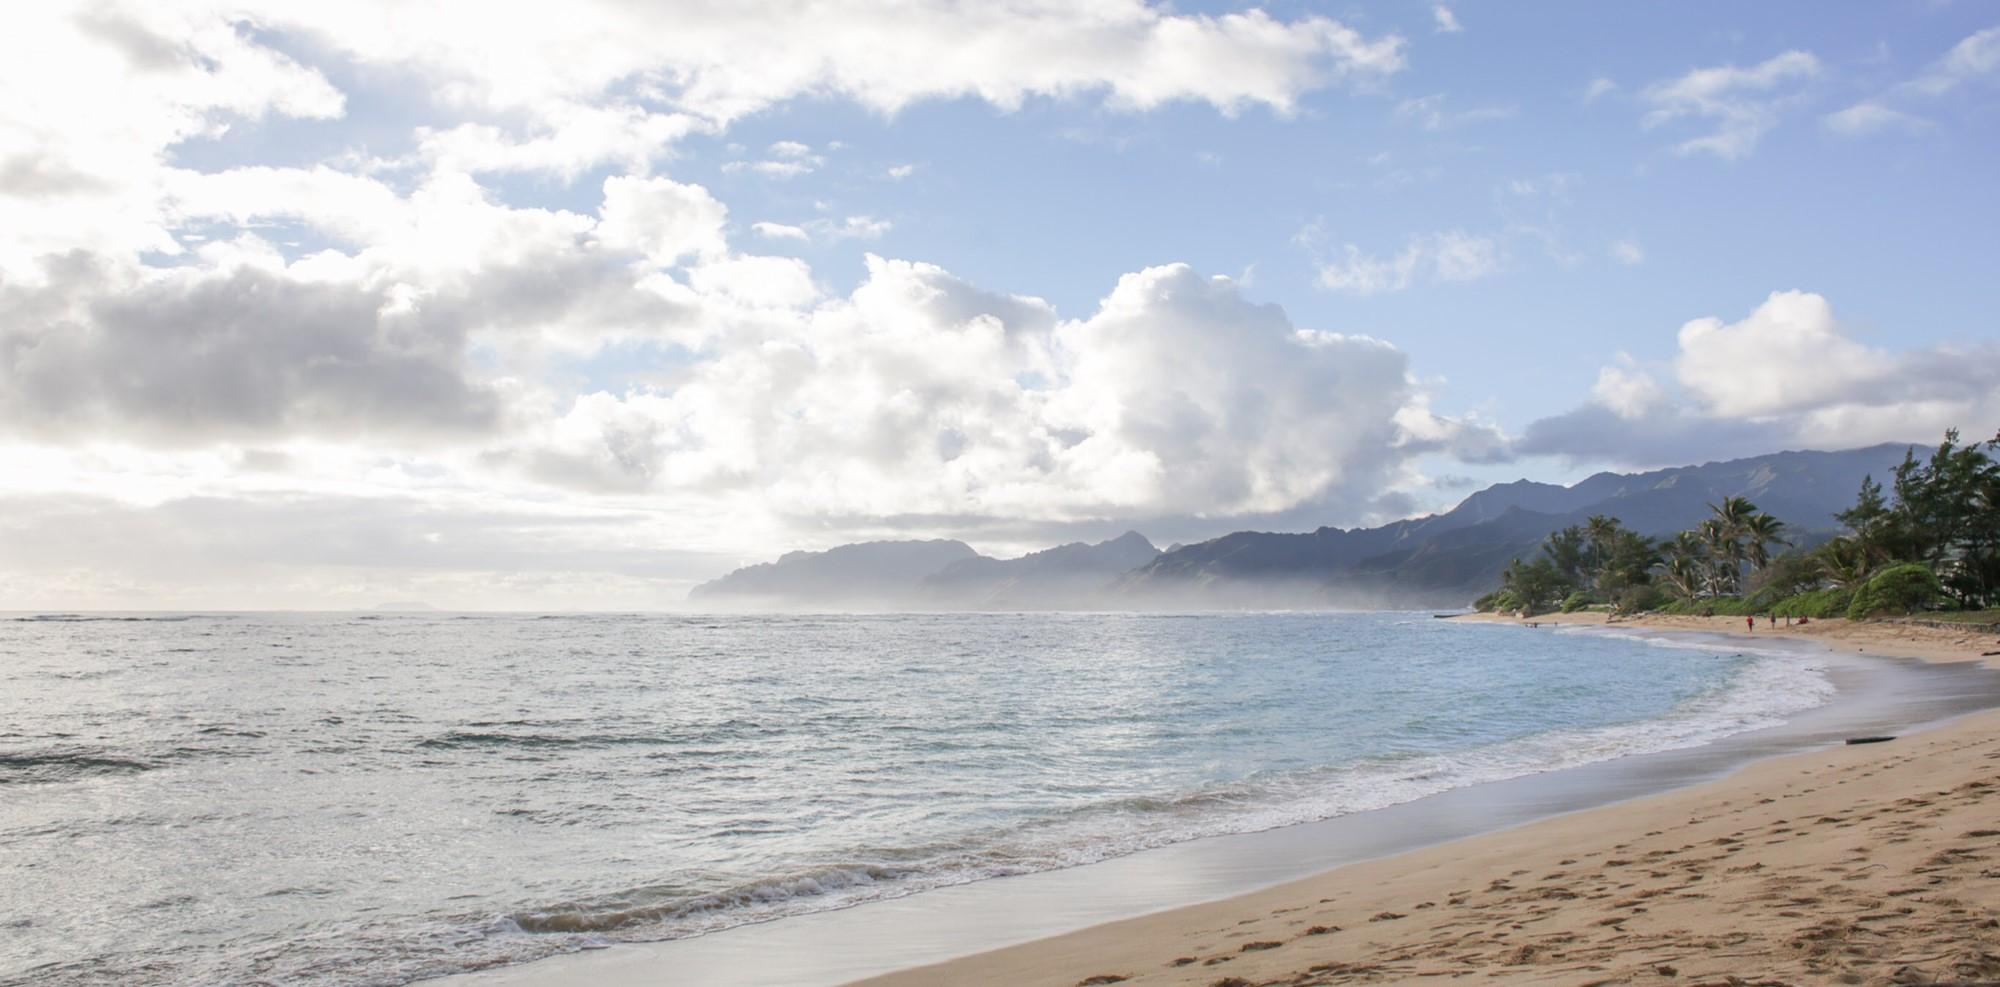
1435 561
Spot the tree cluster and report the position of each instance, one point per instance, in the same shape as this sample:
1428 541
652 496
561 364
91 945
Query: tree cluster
1942 514
1599 561
1931 540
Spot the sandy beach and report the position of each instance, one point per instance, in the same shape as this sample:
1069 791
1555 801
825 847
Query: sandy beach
1866 864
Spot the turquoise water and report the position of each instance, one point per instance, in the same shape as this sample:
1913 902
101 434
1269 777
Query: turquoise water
370 800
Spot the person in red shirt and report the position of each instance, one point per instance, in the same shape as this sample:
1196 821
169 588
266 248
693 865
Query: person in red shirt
1750 622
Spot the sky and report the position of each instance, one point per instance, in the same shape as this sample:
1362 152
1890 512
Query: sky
490 306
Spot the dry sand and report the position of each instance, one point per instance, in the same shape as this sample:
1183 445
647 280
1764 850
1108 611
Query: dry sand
1872 864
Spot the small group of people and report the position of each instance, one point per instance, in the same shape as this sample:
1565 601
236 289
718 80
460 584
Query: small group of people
1751 622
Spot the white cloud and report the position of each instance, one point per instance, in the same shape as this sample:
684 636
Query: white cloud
1177 396
899 172
779 231
1598 89
344 327
1627 392
661 218
851 228
89 98
776 169
576 139
1863 119
1974 57
1435 257
1431 112
536 80
1788 375
1447 22
757 281
1742 103
1788 355
1628 252
825 229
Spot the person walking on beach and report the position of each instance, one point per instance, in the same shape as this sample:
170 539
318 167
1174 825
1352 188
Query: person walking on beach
1750 622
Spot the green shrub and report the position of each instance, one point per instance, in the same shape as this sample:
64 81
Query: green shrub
1717 606
1818 604
1898 589
1639 598
1764 599
1498 601
1576 601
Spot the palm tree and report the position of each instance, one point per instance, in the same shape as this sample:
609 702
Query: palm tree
1846 562
1682 564
1762 531
1725 554
1734 512
1683 573
1603 532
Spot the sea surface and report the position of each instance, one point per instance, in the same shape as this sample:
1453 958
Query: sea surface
375 799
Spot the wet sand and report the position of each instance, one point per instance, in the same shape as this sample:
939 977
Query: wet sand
1866 864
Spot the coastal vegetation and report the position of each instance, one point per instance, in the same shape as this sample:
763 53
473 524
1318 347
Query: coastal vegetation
1929 541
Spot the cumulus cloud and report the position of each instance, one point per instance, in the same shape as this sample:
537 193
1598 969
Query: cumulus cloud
920 395
1628 252
194 320
1446 21
1742 104
1450 256
89 97
1787 375
201 357
660 71
92 99
660 218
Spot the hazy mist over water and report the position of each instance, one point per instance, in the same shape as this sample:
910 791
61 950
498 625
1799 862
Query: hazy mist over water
368 799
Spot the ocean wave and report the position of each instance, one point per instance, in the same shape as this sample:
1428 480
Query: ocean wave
474 739
99 618
66 764
624 912
1761 694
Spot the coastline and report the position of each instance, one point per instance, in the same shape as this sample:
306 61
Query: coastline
1864 864
1887 639
1066 927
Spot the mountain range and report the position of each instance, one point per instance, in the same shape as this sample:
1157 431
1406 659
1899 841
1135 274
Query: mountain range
1439 560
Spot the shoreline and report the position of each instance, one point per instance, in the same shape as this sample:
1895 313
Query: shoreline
1877 638
1861 864
1073 943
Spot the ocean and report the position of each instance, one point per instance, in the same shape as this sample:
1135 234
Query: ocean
375 799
